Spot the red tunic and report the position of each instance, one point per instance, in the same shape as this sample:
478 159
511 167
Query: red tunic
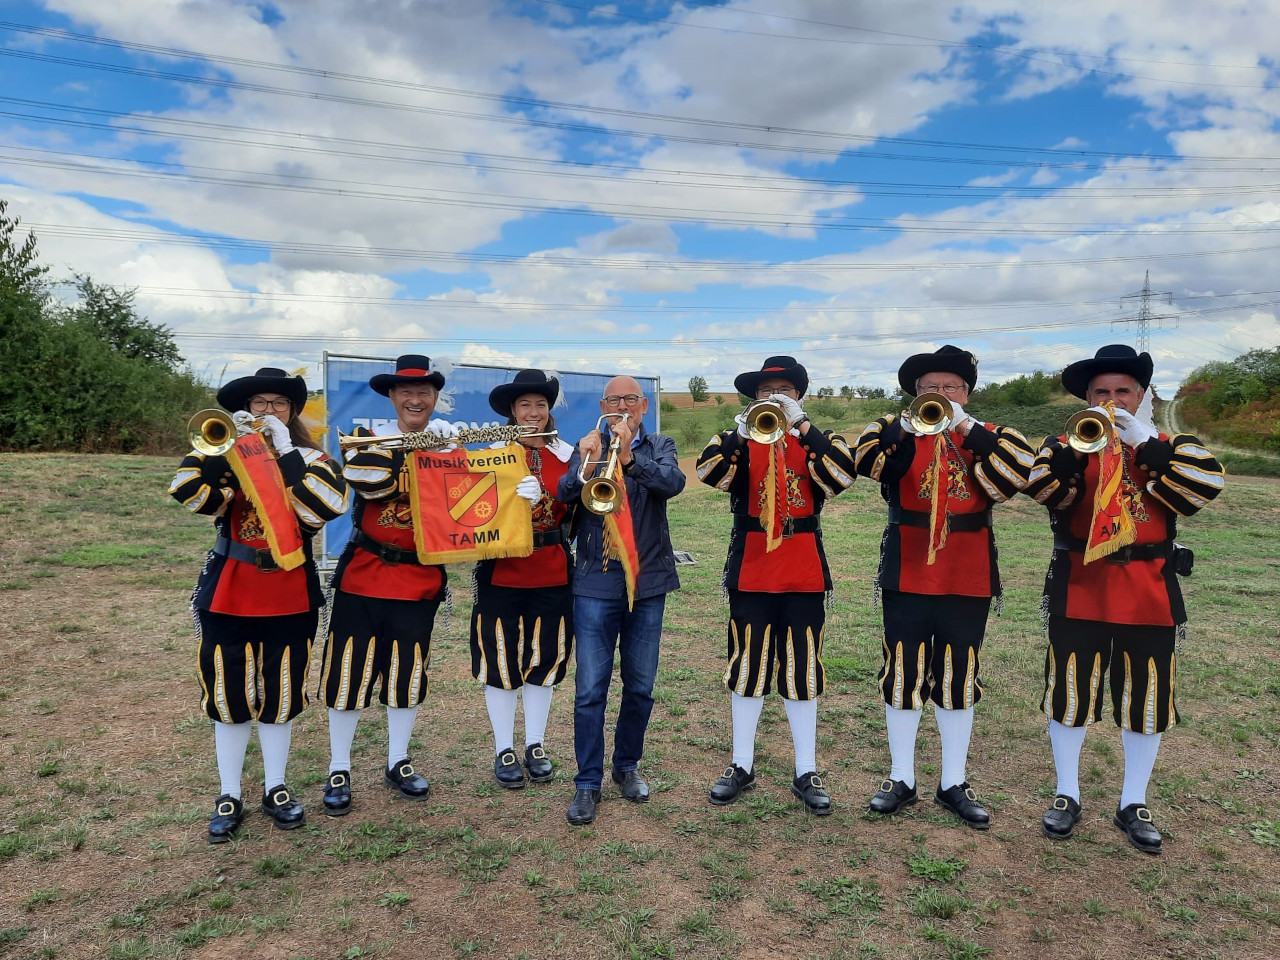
796 564
546 567
245 591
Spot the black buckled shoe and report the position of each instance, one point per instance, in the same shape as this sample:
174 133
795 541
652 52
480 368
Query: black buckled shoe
1059 821
633 786
963 802
582 810
507 770
892 796
405 782
735 781
1135 820
538 764
812 792
283 807
337 794
228 814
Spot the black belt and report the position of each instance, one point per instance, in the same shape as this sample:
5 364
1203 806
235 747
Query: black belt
956 522
790 526
1135 551
388 553
547 538
259 557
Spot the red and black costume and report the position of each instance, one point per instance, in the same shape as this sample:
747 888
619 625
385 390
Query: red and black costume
384 601
777 609
935 615
1123 611
522 619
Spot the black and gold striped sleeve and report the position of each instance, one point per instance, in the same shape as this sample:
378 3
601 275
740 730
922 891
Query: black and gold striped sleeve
718 463
373 472
203 484
883 451
1056 476
320 492
1185 476
830 460
1002 460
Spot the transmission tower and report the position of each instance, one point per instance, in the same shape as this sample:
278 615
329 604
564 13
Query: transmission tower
1142 341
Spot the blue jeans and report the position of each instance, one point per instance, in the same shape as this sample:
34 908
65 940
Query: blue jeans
600 626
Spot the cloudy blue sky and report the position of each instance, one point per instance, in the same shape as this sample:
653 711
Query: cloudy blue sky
670 188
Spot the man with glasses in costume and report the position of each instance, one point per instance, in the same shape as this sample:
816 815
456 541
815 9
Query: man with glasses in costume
776 573
608 612
938 570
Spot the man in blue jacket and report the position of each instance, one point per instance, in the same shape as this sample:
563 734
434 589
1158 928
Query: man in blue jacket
602 620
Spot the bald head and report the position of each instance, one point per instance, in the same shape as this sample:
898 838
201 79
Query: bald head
624 395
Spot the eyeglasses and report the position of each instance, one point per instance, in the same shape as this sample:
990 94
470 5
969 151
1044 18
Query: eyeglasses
950 389
764 392
630 399
262 404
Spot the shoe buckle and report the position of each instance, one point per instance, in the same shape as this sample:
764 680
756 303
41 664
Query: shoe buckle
1143 814
226 808
729 772
507 758
972 795
337 779
280 798
815 781
1060 803
405 770
886 786
537 753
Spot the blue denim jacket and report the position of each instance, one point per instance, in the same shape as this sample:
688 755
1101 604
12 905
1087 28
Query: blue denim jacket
654 478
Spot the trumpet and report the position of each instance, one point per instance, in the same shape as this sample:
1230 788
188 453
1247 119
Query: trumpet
929 414
766 422
213 432
426 440
602 493
1088 431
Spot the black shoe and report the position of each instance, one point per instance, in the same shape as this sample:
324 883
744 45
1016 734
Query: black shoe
538 764
735 781
892 796
583 808
963 802
337 794
1059 821
633 786
1135 820
812 792
508 771
280 805
405 782
228 814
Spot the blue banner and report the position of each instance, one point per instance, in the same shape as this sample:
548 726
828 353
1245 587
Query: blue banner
464 402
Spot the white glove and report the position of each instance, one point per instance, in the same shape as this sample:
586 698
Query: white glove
905 422
790 407
959 418
442 429
529 488
278 434
1133 432
243 420
741 421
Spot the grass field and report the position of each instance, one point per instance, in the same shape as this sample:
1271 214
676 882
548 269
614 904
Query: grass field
107 776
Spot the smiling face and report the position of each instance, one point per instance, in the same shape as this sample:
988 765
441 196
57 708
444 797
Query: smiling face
414 403
276 404
950 385
1120 388
532 410
624 395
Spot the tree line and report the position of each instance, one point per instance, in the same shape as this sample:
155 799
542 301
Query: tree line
90 375
1236 401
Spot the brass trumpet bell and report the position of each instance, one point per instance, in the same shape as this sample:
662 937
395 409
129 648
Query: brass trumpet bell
601 495
1088 431
929 414
766 422
212 432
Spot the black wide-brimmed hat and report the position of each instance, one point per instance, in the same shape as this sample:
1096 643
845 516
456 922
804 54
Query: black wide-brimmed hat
1113 358
504 395
784 367
946 359
410 368
235 395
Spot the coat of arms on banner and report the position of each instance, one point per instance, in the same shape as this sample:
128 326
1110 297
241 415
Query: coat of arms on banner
472 497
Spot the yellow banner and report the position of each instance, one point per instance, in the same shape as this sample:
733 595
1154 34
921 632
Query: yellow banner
465 505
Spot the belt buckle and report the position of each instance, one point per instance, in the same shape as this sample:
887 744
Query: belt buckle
390 554
788 528
539 539
1120 557
265 561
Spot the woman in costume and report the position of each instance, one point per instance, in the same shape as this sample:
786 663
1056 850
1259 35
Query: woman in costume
257 601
